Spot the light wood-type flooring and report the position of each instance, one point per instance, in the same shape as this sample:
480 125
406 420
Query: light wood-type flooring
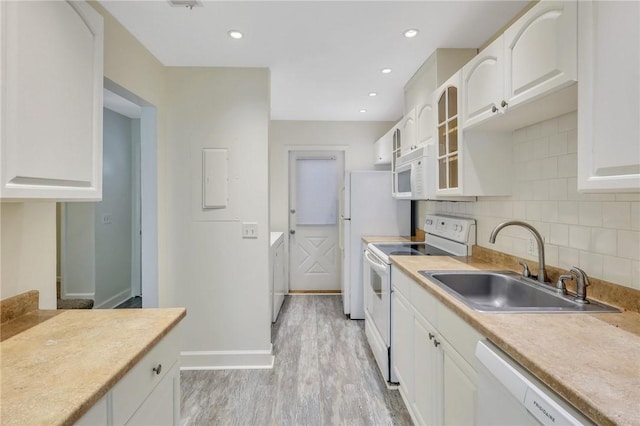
324 374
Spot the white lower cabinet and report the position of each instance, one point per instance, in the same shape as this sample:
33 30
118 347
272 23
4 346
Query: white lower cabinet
459 391
97 415
149 394
427 373
162 406
432 356
402 342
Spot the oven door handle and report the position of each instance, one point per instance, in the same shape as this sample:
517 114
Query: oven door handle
374 262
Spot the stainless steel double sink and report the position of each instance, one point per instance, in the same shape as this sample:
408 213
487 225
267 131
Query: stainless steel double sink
508 292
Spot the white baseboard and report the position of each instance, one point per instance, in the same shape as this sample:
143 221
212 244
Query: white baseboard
114 301
78 295
227 360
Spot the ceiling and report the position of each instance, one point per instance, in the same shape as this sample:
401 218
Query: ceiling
325 56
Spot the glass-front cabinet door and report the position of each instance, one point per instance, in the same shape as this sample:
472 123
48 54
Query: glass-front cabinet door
448 147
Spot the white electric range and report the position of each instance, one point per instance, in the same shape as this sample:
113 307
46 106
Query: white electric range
445 236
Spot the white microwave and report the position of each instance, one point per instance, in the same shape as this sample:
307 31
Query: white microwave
411 176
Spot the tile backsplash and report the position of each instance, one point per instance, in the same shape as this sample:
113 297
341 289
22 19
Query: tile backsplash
600 233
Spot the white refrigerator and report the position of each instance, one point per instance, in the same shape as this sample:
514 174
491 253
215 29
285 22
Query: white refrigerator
367 208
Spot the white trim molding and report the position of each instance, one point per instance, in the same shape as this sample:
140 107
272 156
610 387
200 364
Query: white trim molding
114 301
227 360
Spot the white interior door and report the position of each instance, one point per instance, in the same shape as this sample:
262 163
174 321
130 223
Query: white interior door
314 256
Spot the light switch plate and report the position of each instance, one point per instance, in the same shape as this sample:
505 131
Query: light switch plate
249 230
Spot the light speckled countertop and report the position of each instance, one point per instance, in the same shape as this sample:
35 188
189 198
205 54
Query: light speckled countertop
54 371
592 360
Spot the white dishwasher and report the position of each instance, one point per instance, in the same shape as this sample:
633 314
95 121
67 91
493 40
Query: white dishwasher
509 395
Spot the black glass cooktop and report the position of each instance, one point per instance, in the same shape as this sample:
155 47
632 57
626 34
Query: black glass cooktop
419 249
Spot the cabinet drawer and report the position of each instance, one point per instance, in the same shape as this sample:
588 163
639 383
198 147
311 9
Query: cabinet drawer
459 334
130 392
424 304
401 282
162 407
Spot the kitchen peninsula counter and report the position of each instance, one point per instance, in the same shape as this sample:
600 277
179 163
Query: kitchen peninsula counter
591 360
60 363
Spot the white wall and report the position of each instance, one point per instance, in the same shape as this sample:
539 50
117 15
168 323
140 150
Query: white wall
132 67
222 279
28 250
599 233
358 137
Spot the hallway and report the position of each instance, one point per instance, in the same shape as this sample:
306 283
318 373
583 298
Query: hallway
324 374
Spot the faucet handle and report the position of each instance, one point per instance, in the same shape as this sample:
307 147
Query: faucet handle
560 285
525 272
582 284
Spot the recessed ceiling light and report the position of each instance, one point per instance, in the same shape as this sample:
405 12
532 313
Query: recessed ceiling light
372 94
385 70
411 33
235 34
363 110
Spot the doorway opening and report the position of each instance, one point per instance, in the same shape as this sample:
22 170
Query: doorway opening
108 249
315 179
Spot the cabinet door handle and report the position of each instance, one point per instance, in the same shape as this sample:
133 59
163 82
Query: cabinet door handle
494 109
157 369
504 104
436 343
431 336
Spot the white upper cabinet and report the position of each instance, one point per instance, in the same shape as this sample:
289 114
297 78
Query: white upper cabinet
425 124
467 164
609 96
51 100
527 74
447 99
482 84
382 149
408 133
540 51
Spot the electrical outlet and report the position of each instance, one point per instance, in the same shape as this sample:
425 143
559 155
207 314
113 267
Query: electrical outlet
107 219
249 230
531 246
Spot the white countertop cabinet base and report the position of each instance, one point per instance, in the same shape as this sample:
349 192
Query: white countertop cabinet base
149 394
432 355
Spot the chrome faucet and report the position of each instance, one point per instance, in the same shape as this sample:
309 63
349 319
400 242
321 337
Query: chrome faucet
581 285
536 234
561 287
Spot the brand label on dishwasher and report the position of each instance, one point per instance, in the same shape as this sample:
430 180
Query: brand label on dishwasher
545 410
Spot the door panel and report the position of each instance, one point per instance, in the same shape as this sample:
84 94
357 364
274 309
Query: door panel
313 220
541 51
